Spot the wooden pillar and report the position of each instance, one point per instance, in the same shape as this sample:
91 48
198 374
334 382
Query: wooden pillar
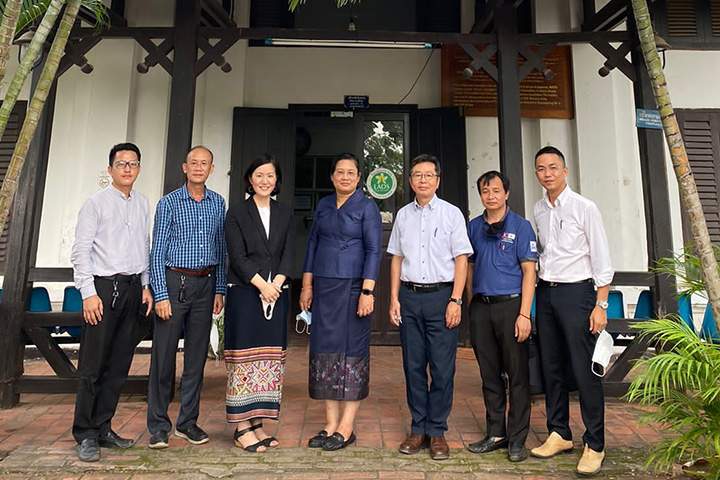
182 92
511 158
655 190
23 242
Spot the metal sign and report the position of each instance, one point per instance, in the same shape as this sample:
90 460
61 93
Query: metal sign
645 118
357 101
381 183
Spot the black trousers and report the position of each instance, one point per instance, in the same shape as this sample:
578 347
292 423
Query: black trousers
106 352
426 341
563 324
194 317
492 334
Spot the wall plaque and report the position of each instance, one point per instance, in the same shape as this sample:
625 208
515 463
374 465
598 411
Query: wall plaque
539 98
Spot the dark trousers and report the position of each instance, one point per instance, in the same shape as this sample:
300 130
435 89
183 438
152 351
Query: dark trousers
563 324
194 317
492 334
106 352
427 341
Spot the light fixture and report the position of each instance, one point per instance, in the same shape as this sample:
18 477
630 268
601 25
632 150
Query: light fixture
296 42
23 41
351 25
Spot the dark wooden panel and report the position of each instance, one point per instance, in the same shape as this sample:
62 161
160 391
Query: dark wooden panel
7 145
55 356
135 385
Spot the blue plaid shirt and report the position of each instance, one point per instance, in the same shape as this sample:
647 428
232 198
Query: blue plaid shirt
188 234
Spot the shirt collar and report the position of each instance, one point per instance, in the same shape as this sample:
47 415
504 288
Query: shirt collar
562 198
120 194
484 216
434 201
185 193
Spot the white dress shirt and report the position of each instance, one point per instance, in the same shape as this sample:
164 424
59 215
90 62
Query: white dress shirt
429 238
572 242
112 236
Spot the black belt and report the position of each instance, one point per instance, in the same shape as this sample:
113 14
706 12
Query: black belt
121 278
203 272
497 298
426 287
560 284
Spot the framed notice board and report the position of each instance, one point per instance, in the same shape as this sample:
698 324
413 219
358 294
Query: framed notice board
539 98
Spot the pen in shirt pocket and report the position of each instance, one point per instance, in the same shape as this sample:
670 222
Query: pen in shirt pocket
435 233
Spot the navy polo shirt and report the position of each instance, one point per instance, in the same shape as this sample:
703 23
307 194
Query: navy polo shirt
497 258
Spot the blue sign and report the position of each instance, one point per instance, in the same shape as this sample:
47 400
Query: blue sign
357 101
648 119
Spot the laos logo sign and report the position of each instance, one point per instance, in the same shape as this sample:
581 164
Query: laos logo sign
381 183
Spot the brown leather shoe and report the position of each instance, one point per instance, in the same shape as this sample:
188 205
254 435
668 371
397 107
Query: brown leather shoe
413 444
439 449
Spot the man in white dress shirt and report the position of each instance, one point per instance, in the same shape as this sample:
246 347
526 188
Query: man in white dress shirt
111 267
572 292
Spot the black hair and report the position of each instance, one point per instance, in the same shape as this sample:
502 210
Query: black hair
486 177
550 150
344 156
423 158
257 163
131 147
198 147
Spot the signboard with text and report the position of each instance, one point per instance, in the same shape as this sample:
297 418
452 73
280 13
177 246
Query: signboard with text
539 97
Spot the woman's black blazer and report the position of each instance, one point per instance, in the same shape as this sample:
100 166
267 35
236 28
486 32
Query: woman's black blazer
250 251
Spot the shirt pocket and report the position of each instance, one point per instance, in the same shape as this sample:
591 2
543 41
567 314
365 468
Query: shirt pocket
507 254
570 233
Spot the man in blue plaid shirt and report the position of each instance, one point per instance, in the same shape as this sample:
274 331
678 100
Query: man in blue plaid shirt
187 267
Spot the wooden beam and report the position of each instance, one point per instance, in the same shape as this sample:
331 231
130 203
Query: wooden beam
135 385
588 7
610 16
51 351
217 13
62 274
511 154
182 92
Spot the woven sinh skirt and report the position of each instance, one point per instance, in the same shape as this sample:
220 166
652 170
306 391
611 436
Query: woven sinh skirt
254 355
339 341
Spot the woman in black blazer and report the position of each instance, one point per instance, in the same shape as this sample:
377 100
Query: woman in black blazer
260 238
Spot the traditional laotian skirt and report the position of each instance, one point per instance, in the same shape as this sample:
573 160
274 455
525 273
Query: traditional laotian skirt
254 354
339 341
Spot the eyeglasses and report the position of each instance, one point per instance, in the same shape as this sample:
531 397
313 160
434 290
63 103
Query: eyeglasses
122 165
553 169
427 176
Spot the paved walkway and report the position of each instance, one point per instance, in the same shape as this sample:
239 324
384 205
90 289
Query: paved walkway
35 440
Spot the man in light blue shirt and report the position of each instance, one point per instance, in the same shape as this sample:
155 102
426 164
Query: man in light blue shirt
429 244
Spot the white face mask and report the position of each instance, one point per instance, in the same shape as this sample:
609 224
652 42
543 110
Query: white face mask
603 352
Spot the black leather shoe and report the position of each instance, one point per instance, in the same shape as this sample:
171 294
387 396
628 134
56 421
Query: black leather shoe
159 440
517 452
336 441
113 440
192 434
318 440
88 450
487 444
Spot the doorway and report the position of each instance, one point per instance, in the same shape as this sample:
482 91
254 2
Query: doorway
305 138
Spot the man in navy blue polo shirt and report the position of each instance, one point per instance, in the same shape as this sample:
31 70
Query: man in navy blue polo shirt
501 284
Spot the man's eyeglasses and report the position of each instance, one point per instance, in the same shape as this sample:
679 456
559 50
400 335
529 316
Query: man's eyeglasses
121 165
427 176
553 169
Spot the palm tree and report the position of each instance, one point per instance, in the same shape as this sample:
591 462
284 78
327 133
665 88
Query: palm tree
681 166
11 14
293 4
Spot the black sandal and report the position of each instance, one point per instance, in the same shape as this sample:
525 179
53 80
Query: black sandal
250 448
268 440
318 440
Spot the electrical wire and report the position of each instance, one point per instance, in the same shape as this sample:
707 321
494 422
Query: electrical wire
418 77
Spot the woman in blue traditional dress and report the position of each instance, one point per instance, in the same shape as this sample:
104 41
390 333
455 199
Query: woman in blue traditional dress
341 265
260 236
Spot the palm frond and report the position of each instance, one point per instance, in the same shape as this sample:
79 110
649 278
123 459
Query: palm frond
32 10
293 4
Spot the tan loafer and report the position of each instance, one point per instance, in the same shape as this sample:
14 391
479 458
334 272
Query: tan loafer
590 462
554 445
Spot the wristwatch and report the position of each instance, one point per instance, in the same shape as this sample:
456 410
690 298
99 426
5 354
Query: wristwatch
602 304
456 300
367 291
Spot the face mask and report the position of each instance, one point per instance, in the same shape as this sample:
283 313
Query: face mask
494 228
603 352
302 322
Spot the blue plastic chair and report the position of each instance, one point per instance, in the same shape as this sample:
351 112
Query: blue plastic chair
72 302
708 331
643 308
616 305
685 311
40 300
532 309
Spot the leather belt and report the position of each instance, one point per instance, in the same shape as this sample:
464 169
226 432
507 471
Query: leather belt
131 279
426 287
497 298
204 272
560 284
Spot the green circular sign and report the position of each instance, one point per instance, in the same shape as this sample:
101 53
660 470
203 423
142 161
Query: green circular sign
381 183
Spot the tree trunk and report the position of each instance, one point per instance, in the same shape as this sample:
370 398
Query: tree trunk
681 166
33 52
9 186
7 33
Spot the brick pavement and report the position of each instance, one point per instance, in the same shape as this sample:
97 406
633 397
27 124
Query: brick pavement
35 438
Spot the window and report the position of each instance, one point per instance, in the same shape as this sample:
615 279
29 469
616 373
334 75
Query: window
688 24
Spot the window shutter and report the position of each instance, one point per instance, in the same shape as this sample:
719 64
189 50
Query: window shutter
701 133
7 145
715 17
681 18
